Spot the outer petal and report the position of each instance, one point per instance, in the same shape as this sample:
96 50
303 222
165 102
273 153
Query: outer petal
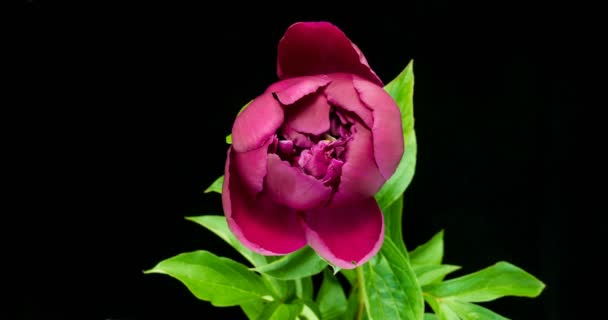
310 115
292 187
360 175
387 129
288 92
258 122
251 167
346 236
341 93
309 48
259 223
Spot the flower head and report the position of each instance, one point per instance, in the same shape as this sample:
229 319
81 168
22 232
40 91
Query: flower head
309 154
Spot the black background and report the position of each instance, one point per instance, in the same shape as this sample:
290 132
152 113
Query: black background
121 112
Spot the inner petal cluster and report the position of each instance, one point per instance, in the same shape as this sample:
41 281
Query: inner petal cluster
318 155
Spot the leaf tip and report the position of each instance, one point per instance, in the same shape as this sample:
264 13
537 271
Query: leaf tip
150 271
335 268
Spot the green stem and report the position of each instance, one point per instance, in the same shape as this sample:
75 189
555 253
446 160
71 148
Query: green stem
299 289
361 285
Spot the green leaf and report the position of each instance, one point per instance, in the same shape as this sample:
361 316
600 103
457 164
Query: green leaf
219 226
331 298
499 280
430 316
309 311
390 287
221 281
253 309
400 180
392 221
446 313
350 275
304 288
402 90
428 274
282 289
429 253
281 311
352 305
216 186
302 263
470 311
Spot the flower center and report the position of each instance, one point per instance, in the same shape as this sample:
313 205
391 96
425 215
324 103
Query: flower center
321 156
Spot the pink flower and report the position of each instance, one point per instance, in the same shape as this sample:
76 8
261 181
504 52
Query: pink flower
309 154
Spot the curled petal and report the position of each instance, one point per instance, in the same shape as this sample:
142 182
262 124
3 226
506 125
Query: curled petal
309 48
292 187
342 94
292 90
387 129
310 115
257 123
360 174
258 222
346 236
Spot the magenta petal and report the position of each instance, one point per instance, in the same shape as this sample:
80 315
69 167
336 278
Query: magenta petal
257 123
363 61
341 93
360 174
251 167
299 139
259 223
346 236
310 48
290 186
288 92
309 115
387 129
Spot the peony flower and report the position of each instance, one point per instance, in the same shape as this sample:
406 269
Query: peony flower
309 154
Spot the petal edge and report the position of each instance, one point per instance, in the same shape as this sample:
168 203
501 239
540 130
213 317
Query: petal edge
309 48
346 236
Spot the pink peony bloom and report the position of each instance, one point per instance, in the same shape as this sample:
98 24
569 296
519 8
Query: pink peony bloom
309 154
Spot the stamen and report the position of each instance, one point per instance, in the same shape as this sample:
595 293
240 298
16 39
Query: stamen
329 137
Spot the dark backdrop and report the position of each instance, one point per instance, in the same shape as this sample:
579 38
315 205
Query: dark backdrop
122 110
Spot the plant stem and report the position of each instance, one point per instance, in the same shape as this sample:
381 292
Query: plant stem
361 285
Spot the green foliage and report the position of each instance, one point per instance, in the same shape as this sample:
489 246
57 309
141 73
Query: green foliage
428 274
331 298
302 263
392 220
221 281
216 186
499 280
430 253
281 311
451 299
470 311
390 287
